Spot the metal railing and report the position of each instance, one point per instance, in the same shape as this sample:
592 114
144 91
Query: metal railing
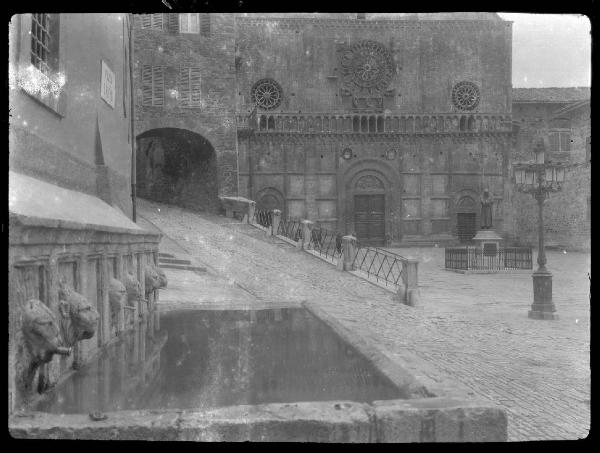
381 264
327 243
263 218
474 258
291 229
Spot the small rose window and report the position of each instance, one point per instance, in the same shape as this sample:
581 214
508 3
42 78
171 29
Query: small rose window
465 95
267 94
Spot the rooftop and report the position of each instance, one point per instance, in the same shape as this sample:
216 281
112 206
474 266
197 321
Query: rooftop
551 94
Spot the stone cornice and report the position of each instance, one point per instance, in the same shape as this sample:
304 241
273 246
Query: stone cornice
291 24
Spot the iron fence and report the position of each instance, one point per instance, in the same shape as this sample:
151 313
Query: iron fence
327 242
291 229
474 258
263 218
381 264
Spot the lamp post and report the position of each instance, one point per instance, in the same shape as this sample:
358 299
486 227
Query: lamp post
539 179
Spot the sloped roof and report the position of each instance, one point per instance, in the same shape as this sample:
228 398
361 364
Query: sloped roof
552 94
572 107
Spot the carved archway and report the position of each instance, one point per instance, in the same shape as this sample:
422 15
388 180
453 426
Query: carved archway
270 198
369 176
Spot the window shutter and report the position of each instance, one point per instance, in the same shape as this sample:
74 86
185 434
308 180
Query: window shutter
146 20
173 22
184 86
195 86
157 86
157 21
189 87
147 85
205 24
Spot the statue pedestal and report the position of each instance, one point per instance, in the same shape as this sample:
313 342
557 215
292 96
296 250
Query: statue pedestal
488 241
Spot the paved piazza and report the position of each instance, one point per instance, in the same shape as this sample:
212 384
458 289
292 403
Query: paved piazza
472 329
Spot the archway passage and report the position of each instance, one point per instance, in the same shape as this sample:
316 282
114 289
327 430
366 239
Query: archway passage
466 219
179 167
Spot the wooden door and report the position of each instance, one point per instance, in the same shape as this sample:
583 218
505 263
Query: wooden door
369 219
466 226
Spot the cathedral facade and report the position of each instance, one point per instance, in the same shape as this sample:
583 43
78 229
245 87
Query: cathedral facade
388 129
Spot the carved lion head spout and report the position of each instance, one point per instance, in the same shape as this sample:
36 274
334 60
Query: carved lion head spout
117 295
79 316
41 332
152 279
155 278
133 288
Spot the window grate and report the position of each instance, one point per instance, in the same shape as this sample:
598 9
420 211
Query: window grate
40 41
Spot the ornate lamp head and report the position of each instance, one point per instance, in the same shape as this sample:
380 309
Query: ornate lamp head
539 151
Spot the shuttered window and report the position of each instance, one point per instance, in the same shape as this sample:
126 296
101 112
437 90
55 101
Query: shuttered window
152 85
205 24
560 141
188 23
154 21
189 86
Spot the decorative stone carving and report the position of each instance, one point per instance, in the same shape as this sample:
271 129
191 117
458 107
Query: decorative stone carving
369 183
79 318
117 295
133 288
163 277
41 335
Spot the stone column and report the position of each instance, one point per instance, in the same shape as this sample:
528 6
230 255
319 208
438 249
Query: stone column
345 263
276 220
104 304
408 292
251 209
307 226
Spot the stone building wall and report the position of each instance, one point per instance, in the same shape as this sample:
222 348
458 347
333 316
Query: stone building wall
214 117
567 214
73 139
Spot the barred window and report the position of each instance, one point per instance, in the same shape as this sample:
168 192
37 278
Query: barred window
152 85
189 23
154 21
44 42
189 86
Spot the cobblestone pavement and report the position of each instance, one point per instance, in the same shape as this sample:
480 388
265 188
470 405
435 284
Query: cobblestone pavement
472 329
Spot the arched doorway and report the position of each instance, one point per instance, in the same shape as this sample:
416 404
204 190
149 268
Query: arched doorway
268 199
466 217
177 166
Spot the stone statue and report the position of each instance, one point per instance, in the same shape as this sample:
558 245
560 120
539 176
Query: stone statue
79 318
155 278
486 210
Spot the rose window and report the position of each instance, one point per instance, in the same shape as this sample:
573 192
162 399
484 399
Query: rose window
267 94
465 95
368 64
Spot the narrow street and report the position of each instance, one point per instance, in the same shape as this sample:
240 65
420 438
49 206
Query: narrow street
471 329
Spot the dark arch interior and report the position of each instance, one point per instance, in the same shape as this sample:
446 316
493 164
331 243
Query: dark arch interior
177 166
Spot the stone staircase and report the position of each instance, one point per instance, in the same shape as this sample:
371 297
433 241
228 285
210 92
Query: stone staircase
170 261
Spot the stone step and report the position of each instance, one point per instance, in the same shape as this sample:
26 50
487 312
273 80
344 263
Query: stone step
165 255
162 260
183 267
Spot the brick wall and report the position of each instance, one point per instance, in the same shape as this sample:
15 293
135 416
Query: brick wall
214 119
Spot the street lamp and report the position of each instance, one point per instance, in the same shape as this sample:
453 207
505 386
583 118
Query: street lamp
540 178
